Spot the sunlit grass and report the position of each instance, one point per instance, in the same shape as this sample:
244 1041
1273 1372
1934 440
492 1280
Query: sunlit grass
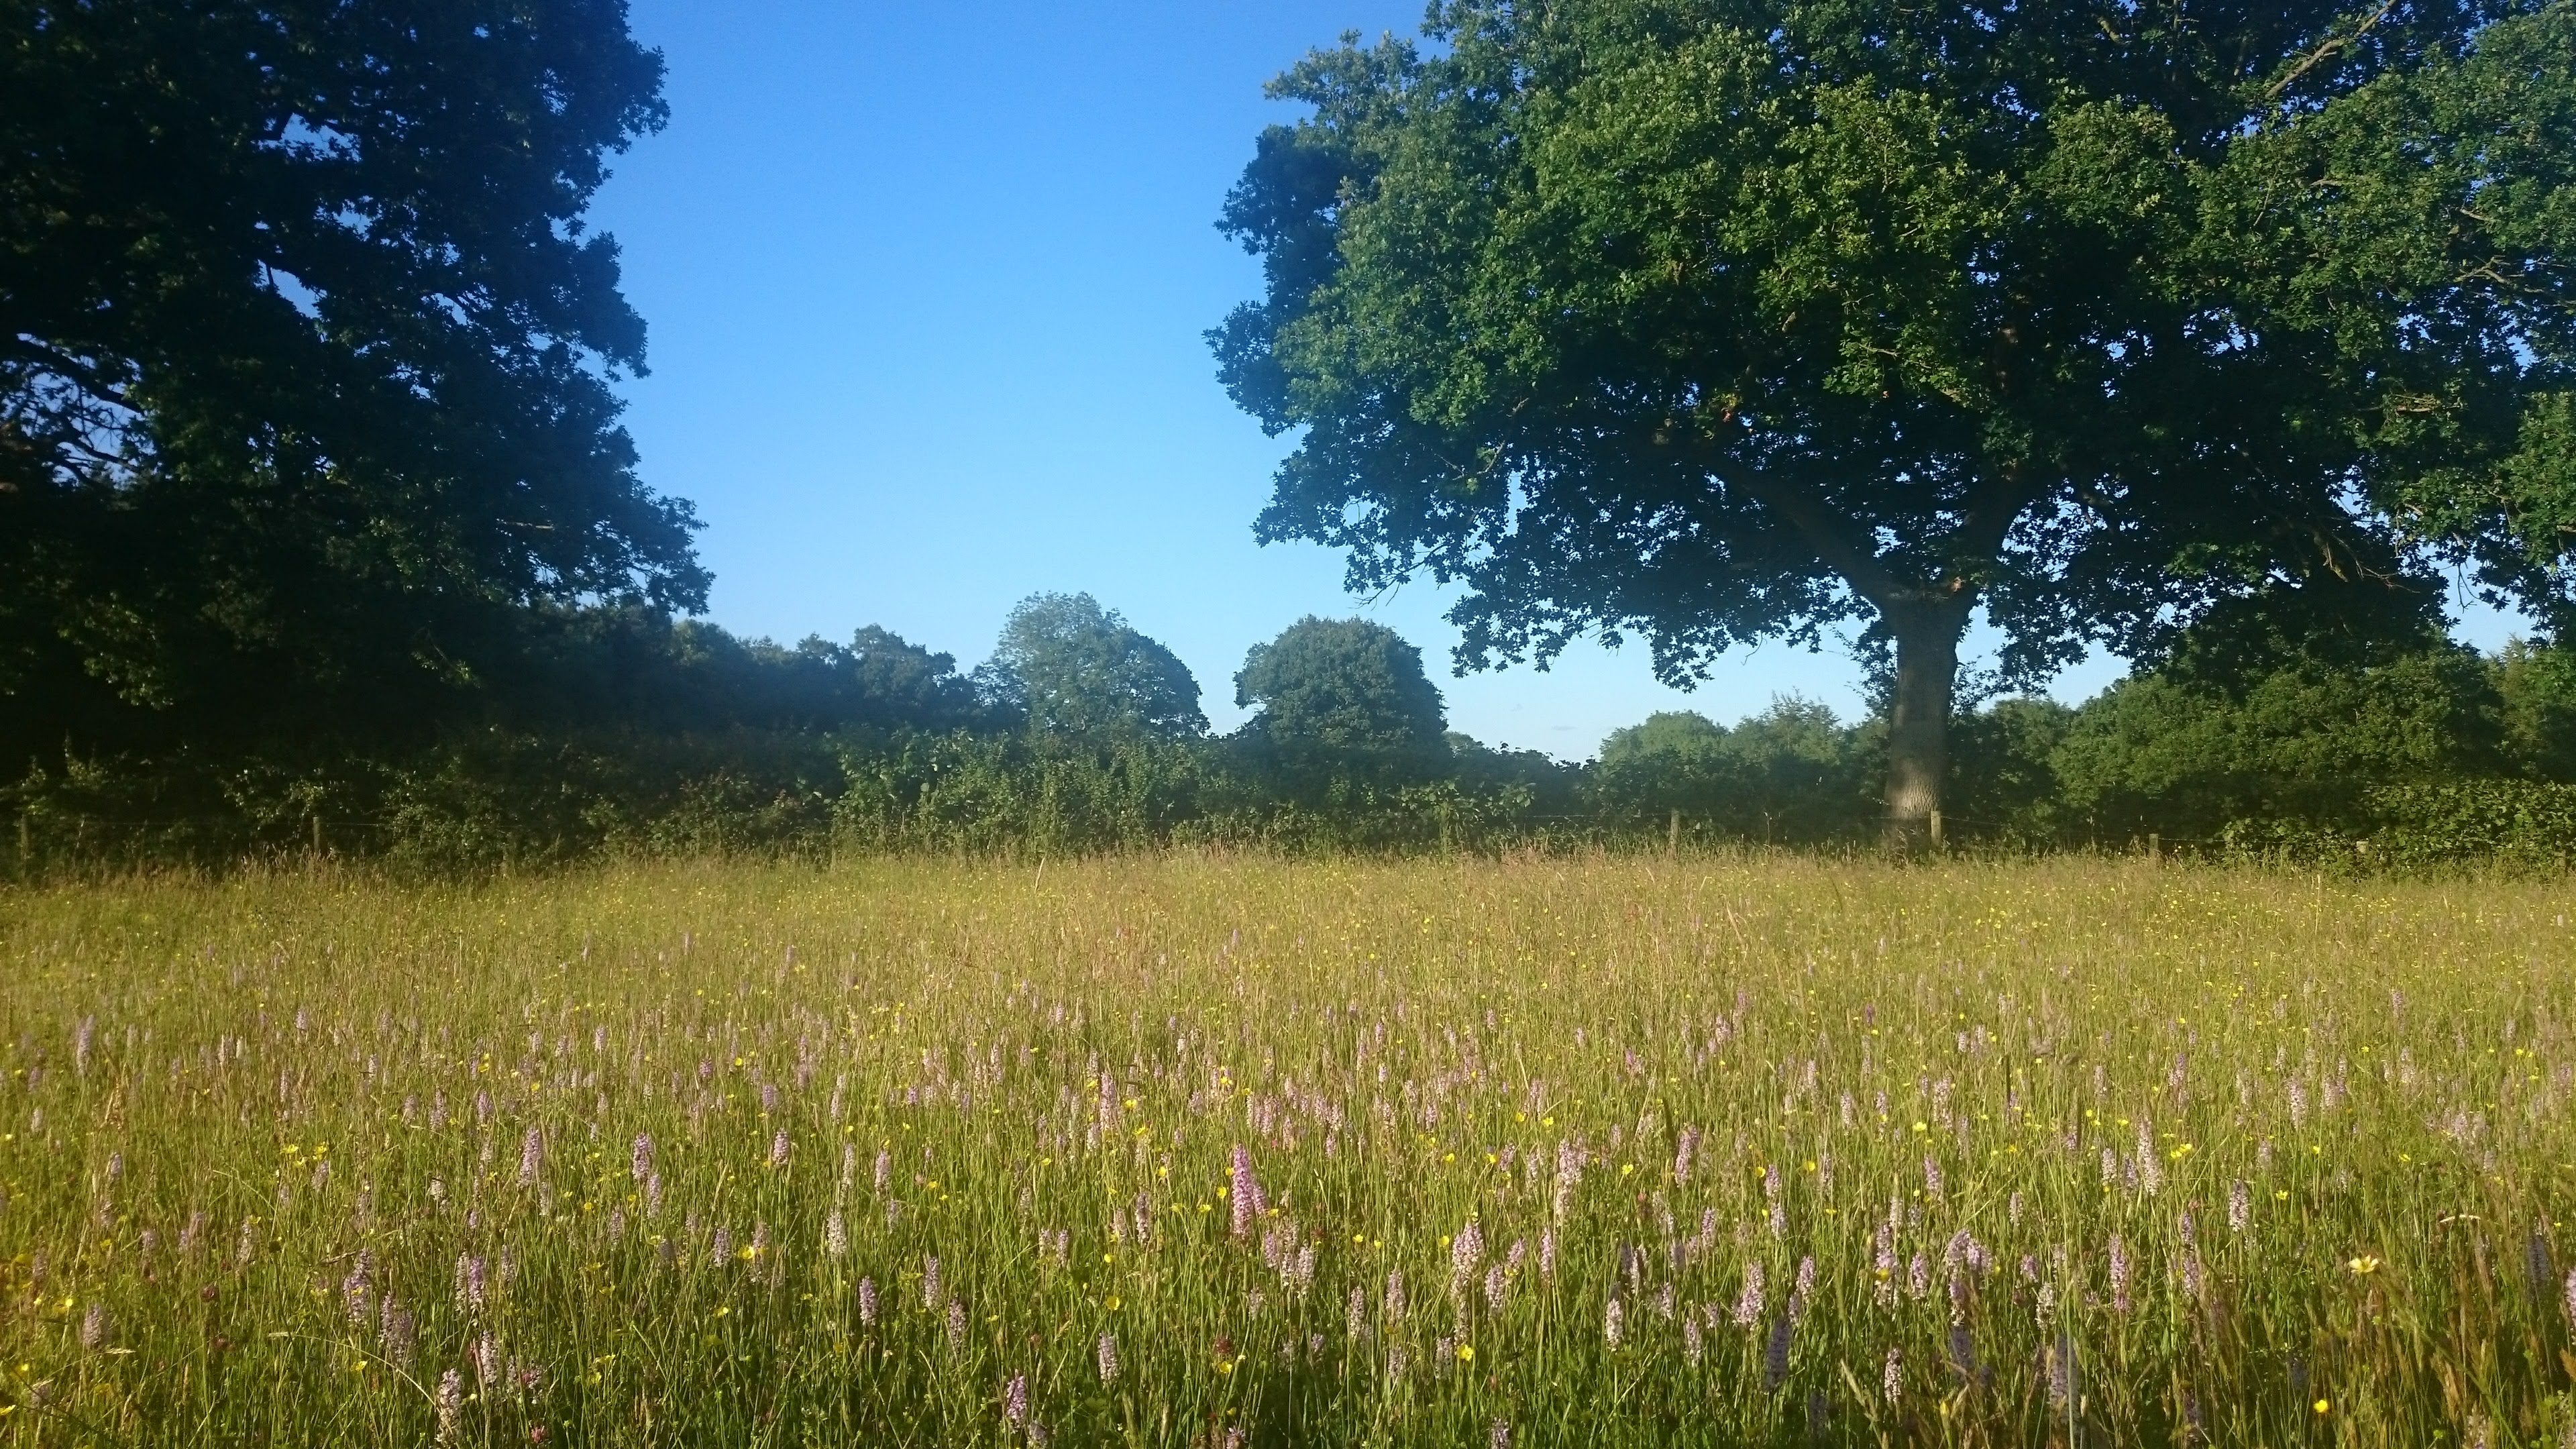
1232 1151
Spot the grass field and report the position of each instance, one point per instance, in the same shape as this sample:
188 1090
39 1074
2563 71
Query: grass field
1210 1152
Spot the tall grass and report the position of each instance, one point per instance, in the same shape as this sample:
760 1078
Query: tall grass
1183 1150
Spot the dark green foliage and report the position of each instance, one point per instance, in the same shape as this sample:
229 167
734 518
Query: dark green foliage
1342 699
2294 711
304 368
2003 772
2538 689
1791 774
1077 673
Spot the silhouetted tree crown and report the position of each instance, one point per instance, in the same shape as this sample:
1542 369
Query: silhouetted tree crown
305 352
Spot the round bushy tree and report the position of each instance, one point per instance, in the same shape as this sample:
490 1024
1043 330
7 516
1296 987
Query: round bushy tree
1343 697
1079 673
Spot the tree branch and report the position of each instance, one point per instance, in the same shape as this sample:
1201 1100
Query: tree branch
2326 51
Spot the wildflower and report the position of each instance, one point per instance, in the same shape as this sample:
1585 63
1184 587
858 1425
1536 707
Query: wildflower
1803 1290
487 1360
778 1149
956 1324
395 1331
2363 1266
1355 1313
868 1302
1891 1380
450 1404
531 1154
1682 1156
1242 1191
653 1195
2119 1276
884 1168
931 1295
1496 1281
1466 1254
640 1161
1547 1252
2150 1175
1105 1353
1613 1320
1499 1434
1691 1342
2059 1366
1779 1215
1748 1303
723 1245
2240 1206
1775 1356
1015 1401
2535 1260
93 1329
470 1282
1931 1178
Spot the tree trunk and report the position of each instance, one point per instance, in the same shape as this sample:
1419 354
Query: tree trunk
1918 723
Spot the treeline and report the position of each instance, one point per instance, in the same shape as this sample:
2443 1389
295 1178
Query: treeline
2289 730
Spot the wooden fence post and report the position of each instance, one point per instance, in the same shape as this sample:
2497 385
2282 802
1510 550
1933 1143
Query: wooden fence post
1673 836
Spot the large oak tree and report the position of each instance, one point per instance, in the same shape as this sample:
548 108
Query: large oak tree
1717 320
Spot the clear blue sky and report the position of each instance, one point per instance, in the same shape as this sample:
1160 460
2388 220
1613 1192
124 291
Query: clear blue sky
926 284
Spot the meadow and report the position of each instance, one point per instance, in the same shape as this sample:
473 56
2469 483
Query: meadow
1223 1152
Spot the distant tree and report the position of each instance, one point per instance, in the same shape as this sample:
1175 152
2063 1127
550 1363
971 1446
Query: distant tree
1077 672
2280 709
902 683
305 358
2537 684
1344 697
1787 774
1718 320
2003 771
1675 760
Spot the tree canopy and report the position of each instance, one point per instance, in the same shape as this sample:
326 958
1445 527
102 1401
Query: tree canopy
305 358
1718 320
1344 691
1079 673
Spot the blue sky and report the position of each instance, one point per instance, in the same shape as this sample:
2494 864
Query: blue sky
926 284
